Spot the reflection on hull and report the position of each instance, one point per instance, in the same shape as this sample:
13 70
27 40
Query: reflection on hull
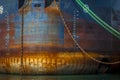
51 63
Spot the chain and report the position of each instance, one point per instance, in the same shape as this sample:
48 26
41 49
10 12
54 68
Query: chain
83 51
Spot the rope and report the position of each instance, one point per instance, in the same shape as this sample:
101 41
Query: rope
83 51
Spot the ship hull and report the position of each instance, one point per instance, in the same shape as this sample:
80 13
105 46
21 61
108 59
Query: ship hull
52 63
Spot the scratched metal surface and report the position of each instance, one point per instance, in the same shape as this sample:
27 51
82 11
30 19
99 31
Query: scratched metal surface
44 31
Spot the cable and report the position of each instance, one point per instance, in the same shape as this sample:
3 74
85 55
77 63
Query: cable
98 19
83 51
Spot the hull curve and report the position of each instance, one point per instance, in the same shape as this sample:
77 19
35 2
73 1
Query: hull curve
60 63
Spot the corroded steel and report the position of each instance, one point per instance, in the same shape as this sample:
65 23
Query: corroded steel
48 63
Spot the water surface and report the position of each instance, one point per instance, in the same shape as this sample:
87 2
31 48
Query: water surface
62 77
